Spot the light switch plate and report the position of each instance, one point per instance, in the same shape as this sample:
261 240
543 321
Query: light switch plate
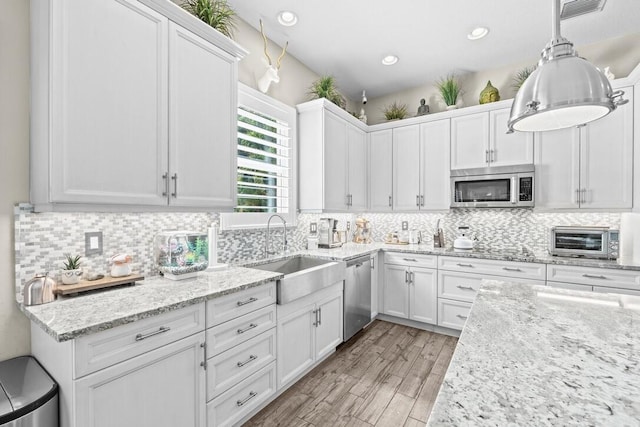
93 243
405 225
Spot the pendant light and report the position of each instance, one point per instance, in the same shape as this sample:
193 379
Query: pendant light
564 91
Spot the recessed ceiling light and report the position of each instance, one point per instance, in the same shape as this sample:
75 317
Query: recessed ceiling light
478 33
287 18
389 60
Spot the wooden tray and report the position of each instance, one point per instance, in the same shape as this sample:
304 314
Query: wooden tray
90 285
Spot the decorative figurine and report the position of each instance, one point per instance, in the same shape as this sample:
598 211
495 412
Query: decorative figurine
489 94
363 116
423 108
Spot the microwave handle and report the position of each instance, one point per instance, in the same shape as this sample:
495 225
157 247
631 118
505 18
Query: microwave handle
514 192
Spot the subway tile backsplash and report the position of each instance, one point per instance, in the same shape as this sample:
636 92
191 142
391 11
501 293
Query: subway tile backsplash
42 239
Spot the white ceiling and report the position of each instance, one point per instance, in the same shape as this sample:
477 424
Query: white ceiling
348 38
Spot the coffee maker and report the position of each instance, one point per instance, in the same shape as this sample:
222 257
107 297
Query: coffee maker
328 235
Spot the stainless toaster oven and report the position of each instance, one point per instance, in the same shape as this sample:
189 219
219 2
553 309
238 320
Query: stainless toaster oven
588 242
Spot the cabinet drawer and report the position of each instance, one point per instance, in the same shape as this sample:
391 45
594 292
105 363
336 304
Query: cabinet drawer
233 405
594 276
232 366
458 286
452 314
229 306
239 330
418 260
615 291
106 348
498 268
571 286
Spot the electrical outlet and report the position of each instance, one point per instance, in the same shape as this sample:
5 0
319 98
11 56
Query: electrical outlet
313 227
405 225
348 225
93 243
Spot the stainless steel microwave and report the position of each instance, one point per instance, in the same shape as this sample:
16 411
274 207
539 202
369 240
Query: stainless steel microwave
588 242
496 187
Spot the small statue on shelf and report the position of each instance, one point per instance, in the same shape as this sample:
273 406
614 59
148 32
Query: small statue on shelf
423 108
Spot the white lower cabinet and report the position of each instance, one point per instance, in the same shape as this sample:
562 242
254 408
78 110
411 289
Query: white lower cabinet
162 388
453 314
607 280
308 330
410 287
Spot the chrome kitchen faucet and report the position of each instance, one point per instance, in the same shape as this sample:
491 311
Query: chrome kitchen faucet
268 236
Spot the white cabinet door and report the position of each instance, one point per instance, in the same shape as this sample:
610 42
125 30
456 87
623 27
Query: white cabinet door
423 295
406 168
434 165
396 291
557 164
357 168
380 171
335 163
161 388
606 169
108 104
296 344
202 122
470 141
329 325
508 149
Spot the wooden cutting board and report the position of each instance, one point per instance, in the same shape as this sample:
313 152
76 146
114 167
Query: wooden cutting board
90 285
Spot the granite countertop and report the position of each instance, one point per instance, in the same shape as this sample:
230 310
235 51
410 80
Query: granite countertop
536 356
72 317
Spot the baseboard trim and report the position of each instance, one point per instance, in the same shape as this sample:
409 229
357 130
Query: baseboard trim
419 325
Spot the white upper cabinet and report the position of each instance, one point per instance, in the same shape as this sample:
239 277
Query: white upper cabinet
202 122
333 159
588 167
406 168
434 165
109 107
380 170
480 140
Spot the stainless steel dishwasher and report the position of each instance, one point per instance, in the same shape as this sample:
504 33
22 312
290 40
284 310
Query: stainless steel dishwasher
357 295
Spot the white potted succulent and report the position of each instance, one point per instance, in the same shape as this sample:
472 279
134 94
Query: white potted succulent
71 273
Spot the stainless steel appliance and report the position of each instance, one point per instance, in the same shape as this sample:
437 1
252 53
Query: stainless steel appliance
28 395
357 296
39 290
588 242
495 187
328 234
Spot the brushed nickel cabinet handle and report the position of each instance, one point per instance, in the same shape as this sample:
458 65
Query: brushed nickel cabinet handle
486 156
248 328
410 259
319 316
594 276
160 330
249 360
583 198
241 402
421 200
390 201
249 301
406 277
466 288
464 265
460 316
577 195
511 269
418 200
491 158
315 313
165 177
174 178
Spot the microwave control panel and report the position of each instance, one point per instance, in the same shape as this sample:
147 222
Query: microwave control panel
614 244
526 189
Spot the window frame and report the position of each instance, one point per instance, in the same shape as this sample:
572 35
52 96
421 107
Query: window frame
259 102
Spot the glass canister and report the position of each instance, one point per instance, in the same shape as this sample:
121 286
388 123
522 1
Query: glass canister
181 254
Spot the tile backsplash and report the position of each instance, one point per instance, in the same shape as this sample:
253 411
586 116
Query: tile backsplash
42 239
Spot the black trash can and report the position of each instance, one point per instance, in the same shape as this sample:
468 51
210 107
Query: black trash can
28 395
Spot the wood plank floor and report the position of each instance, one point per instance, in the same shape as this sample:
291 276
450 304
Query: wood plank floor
387 375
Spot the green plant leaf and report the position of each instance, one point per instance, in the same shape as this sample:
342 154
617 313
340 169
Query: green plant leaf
395 111
217 13
449 89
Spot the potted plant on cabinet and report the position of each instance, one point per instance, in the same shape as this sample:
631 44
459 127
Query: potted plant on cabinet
71 273
449 90
395 111
217 13
325 87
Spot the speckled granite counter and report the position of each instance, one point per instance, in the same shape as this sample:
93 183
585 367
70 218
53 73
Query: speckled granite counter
535 356
73 317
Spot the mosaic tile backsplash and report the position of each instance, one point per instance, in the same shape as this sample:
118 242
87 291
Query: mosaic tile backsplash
42 239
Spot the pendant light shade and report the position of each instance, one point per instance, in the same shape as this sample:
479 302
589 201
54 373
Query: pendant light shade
564 91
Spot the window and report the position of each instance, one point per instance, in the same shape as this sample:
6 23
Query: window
266 161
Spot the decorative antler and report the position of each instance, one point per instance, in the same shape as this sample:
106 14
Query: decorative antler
282 55
265 45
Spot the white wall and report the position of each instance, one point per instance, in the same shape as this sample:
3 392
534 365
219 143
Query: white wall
622 54
14 163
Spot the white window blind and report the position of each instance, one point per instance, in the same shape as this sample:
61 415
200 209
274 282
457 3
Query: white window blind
264 162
